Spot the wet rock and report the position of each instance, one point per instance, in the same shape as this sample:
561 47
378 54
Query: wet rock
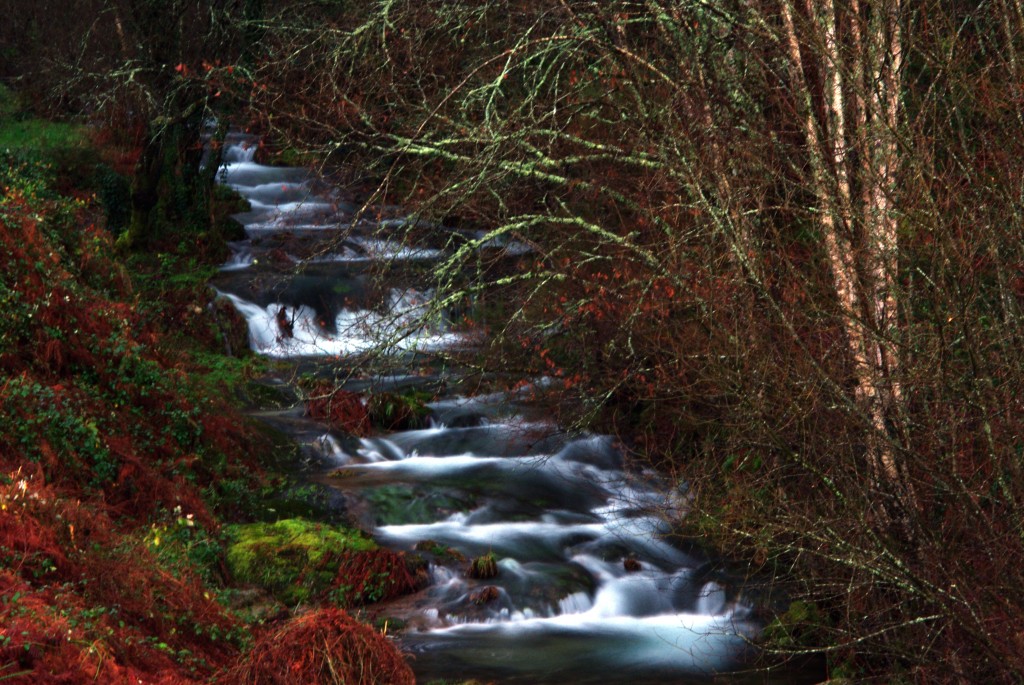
485 595
285 323
599 451
280 258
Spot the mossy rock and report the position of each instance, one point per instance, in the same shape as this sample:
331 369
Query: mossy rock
484 568
389 625
292 557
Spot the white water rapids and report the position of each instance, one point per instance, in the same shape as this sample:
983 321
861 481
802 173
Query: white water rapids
590 587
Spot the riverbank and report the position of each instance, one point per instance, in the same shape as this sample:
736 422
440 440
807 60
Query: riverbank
123 454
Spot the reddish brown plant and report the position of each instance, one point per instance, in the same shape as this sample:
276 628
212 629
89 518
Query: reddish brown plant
322 647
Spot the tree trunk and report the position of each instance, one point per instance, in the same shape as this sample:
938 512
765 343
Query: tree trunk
860 241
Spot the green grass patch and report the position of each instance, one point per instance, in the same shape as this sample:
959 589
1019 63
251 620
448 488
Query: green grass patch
21 131
39 135
183 545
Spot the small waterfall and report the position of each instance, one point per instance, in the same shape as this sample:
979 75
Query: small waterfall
239 150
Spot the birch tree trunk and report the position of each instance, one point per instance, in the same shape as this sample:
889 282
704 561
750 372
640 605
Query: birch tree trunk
861 242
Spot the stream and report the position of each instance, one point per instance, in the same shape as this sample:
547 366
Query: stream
589 586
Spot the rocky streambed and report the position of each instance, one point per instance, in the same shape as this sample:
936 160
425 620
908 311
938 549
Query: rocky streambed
544 559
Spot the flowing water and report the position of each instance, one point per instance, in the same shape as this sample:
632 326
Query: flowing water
589 585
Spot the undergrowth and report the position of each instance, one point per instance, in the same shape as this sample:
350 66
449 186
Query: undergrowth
120 455
326 647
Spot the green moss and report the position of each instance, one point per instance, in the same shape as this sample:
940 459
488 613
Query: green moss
441 552
290 558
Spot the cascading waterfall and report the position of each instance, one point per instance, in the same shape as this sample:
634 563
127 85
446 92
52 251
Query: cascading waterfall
588 586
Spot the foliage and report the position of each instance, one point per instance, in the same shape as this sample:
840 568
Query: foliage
358 414
337 407
392 411
111 557
114 193
324 647
790 629
375 575
185 546
78 374
113 606
26 177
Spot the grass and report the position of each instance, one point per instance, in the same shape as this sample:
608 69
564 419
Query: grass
40 136
20 131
